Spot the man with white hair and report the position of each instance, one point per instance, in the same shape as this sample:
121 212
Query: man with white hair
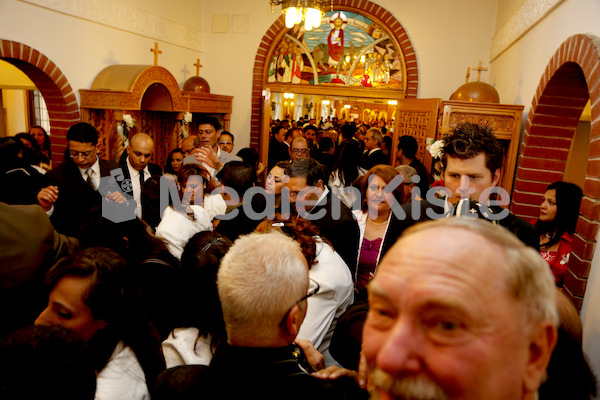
263 284
459 309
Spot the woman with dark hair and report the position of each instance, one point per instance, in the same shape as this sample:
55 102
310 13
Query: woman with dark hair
91 293
345 172
558 217
20 181
174 162
250 156
181 220
330 281
200 328
374 219
41 137
32 152
276 182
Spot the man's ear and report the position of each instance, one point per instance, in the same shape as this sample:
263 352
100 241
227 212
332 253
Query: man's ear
496 178
294 320
320 185
543 338
128 149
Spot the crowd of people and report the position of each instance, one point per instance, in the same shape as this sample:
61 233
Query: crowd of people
339 276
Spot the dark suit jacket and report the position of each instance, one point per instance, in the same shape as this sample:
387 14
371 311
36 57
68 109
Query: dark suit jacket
30 246
277 152
342 231
373 159
75 197
422 171
526 232
154 170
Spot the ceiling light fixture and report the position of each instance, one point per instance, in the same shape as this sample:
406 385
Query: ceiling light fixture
311 11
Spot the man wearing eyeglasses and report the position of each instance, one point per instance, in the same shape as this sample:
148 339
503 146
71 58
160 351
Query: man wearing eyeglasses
73 186
226 141
299 148
263 286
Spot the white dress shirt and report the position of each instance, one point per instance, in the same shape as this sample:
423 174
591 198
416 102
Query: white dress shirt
135 183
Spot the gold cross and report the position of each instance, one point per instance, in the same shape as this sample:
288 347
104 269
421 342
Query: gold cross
479 69
198 66
156 52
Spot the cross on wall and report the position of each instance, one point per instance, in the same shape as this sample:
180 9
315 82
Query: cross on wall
156 52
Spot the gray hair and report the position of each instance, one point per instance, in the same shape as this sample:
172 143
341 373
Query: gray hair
377 135
407 172
527 275
260 278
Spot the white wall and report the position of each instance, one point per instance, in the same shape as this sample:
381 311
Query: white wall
516 73
81 49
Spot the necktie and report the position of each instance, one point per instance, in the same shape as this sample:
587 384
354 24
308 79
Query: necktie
142 191
90 178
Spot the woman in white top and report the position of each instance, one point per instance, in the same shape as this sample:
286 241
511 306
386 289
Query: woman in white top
90 293
200 326
181 221
329 272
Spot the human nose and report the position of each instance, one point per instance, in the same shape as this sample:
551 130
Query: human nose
45 318
400 353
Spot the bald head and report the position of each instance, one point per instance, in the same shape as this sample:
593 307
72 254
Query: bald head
189 144
299 148
140 150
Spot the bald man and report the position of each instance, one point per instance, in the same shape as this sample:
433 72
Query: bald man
137 167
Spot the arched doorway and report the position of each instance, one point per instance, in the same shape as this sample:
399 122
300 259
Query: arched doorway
571 78
274 34
54 86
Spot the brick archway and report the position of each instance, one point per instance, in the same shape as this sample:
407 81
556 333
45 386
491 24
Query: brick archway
364 7
54 86
571 78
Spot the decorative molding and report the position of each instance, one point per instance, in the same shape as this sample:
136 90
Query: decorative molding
526 17
130 19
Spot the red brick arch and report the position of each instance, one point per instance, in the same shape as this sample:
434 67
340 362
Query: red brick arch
364 7
54 86
571 78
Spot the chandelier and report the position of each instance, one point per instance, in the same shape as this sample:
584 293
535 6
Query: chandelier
296 11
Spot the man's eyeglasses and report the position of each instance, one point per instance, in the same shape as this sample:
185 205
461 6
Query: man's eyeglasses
300 151
225 142
311 293
84 154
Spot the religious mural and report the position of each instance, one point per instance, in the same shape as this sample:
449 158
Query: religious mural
346 49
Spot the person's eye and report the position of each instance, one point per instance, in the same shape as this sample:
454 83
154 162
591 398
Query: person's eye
64 314
473 177
278 180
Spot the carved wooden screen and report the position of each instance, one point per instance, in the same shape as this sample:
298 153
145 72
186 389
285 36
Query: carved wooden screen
417 118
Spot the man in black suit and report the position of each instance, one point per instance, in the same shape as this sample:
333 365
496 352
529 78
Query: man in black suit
278 149
137 167
373 155
407 155
310 198
472 161
73 186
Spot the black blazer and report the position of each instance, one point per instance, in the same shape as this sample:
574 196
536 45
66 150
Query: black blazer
526 232
342 232
76 198
373 159
154 170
